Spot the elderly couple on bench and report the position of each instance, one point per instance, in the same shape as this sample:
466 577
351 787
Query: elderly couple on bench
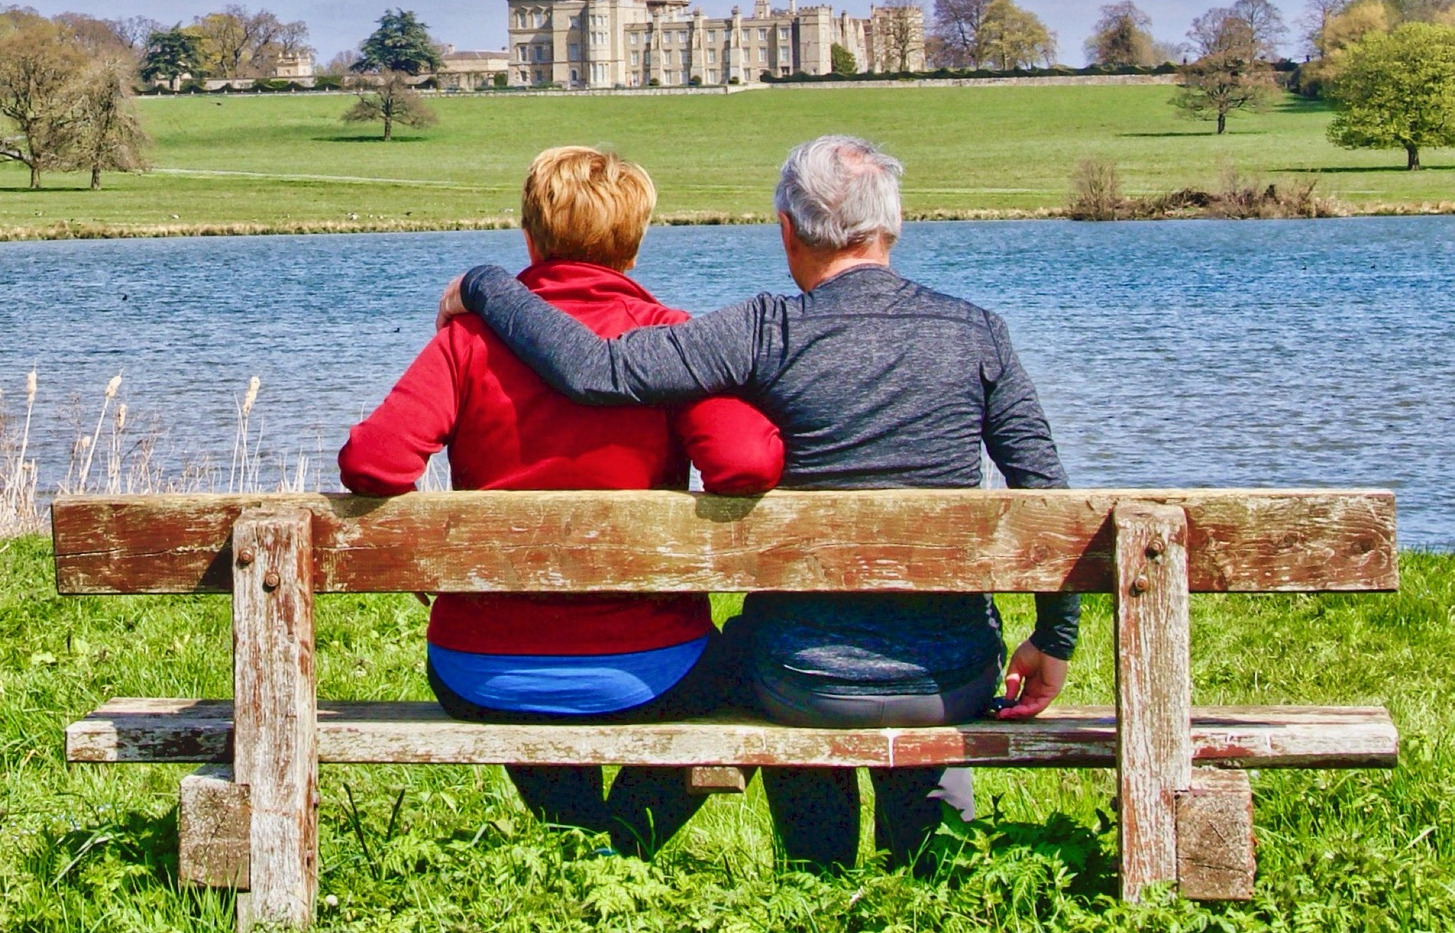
866 380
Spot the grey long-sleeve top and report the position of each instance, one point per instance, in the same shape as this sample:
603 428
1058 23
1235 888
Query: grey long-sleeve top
874 382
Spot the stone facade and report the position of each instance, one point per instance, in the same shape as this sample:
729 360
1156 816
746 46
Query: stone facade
647 43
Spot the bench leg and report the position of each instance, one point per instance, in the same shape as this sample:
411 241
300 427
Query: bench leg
275 751
214 821
1215 860
1154 689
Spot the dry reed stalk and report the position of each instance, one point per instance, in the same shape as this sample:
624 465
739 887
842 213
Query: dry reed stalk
237 479
88 446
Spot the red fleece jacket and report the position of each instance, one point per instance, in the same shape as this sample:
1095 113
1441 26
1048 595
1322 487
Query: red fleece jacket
506 429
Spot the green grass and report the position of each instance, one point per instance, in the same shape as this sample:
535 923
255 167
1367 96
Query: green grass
995 149
94 847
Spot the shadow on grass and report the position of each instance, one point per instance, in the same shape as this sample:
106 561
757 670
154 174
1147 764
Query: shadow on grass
368 139
1190 133
131 838
1360 169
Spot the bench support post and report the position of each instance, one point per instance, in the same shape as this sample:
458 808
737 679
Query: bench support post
275 754
1154 689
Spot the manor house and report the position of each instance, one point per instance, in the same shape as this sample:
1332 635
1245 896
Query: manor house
640 43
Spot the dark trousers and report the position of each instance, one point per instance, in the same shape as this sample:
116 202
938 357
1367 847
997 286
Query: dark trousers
816 810
646 804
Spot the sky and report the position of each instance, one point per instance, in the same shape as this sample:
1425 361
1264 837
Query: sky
334 27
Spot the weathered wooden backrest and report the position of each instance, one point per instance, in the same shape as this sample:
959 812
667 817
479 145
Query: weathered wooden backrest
948 540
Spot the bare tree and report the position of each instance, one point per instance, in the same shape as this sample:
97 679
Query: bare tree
136 31
898 30
1122 36
108 136
38 69
1315 20
387 97
957 31
1265 26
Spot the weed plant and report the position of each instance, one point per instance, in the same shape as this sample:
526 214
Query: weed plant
86 847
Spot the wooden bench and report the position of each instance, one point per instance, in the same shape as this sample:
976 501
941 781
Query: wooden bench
248 818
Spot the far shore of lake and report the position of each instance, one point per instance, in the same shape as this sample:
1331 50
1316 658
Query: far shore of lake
66 230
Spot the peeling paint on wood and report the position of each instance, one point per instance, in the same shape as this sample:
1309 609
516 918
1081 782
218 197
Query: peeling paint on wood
653 541
157 730
1154 689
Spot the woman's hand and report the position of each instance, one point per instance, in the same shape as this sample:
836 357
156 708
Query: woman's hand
451 304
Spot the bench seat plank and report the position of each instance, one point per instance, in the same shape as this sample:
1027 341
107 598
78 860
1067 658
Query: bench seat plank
187 730
1018 540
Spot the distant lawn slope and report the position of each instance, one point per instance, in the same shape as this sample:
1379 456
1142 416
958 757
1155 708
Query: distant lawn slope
280 160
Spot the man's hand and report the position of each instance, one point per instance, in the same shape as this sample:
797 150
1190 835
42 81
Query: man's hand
451 304
1032 680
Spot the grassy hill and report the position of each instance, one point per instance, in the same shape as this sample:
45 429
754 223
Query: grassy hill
281 160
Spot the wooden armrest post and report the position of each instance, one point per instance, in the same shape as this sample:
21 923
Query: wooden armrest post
275 752
1154 689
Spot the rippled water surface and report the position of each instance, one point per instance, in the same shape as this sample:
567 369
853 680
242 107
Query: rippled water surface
1200 353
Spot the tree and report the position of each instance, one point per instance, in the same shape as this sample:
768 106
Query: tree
401 43
957 32
842 60
1228 74
172 54
1264 25
1122 36
898 36
135 31
1397 91
240 43
388 97
1010 37
108 133
38 69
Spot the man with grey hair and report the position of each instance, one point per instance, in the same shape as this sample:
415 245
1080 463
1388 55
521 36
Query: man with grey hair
874 382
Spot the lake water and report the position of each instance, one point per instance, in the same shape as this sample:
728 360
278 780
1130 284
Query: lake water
1198 353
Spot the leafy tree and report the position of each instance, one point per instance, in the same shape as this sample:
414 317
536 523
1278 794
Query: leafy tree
170 55
957 32
240 43
1122 36
401 43
1011 37
38 69
842 60
1397 91
388 97
108 136
1228 74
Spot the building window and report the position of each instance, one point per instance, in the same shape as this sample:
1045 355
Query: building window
540 53
539 79
712 56
635 59
762 55
538 18
762 33
520 19
782 56
575 76
520 53
573 52
712 35
682 37
782 33
634 39
646 59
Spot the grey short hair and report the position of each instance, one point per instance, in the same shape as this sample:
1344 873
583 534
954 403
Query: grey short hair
840 191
